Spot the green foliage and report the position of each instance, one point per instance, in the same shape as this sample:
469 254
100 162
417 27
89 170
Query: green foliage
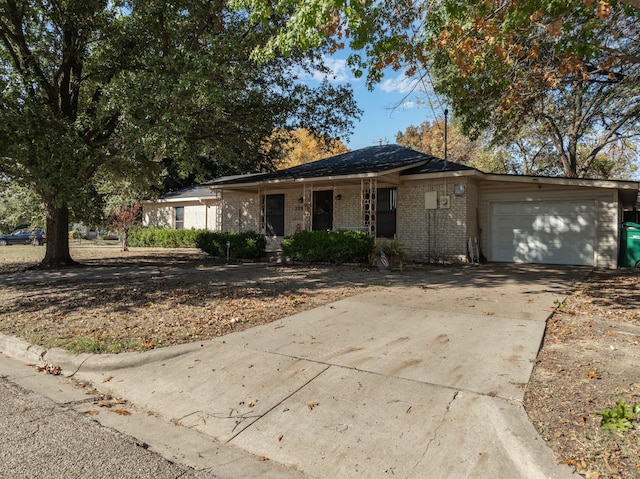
89 87
246 245
565 71
390 247
19 206
328 246
163 238
393 250
619 418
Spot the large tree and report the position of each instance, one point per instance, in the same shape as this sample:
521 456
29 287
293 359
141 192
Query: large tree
568 74
429 137
567 69
119 85
303 146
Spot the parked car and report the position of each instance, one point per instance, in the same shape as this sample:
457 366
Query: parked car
34 236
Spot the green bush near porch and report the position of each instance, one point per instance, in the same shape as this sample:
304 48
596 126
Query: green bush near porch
246 245
328 247
162 238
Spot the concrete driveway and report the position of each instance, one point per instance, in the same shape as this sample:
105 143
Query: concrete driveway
415 381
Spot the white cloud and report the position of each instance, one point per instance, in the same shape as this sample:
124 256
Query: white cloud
339 72
403 85
408 105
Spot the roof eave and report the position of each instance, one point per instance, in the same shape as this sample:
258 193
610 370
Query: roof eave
184 199
612 184
442 174
319 179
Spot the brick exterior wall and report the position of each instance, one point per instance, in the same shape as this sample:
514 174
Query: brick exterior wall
293 212
240 212
347 212
441 234
436 235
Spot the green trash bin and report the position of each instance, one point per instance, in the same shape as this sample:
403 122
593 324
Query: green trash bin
630 245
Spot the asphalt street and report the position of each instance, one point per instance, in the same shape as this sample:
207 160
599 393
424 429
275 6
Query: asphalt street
42 439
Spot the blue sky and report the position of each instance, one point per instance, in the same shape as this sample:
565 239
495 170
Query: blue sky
391 107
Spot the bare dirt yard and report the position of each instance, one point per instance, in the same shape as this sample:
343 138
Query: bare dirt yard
590 360
146 298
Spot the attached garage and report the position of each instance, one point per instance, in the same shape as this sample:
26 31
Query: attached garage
550 232
566 221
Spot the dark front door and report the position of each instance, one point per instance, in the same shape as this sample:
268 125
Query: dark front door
322 210
386 213
274 210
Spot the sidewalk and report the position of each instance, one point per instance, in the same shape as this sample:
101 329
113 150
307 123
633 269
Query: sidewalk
421 381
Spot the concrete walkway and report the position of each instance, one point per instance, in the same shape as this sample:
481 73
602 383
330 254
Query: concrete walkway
406 381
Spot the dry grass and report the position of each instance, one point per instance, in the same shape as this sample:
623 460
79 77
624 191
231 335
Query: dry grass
157 298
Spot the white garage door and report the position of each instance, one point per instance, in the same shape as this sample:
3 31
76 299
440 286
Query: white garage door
543 232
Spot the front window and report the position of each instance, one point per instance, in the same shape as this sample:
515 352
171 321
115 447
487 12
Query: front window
179 217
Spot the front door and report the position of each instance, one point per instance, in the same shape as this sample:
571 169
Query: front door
322 210
274 215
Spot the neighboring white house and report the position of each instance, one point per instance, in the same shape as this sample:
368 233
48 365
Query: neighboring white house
195 207
431 206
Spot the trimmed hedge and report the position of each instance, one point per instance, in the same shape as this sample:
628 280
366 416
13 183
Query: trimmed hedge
246 245
328 246
163 238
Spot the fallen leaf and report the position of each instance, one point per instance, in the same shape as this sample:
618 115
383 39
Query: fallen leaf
93 412
263 458
50 369
311 405
122 412
107 379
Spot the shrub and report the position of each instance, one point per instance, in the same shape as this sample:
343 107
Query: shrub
394 252
246 245
163 238
328 246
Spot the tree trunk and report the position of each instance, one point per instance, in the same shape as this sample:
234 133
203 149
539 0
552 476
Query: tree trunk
57 254
125 239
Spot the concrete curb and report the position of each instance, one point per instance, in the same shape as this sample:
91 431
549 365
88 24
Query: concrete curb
70 364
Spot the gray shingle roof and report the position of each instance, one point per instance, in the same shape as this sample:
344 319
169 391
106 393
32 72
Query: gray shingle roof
436 165
193 191
373 159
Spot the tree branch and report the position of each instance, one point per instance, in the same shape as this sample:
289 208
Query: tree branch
27 59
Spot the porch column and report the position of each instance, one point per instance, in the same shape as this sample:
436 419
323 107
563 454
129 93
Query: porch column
368 188
262 195
308 205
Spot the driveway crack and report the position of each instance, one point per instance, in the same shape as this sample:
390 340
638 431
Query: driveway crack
278 404
434 435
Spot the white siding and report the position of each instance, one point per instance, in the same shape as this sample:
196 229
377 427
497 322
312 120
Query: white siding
197 215
157 215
